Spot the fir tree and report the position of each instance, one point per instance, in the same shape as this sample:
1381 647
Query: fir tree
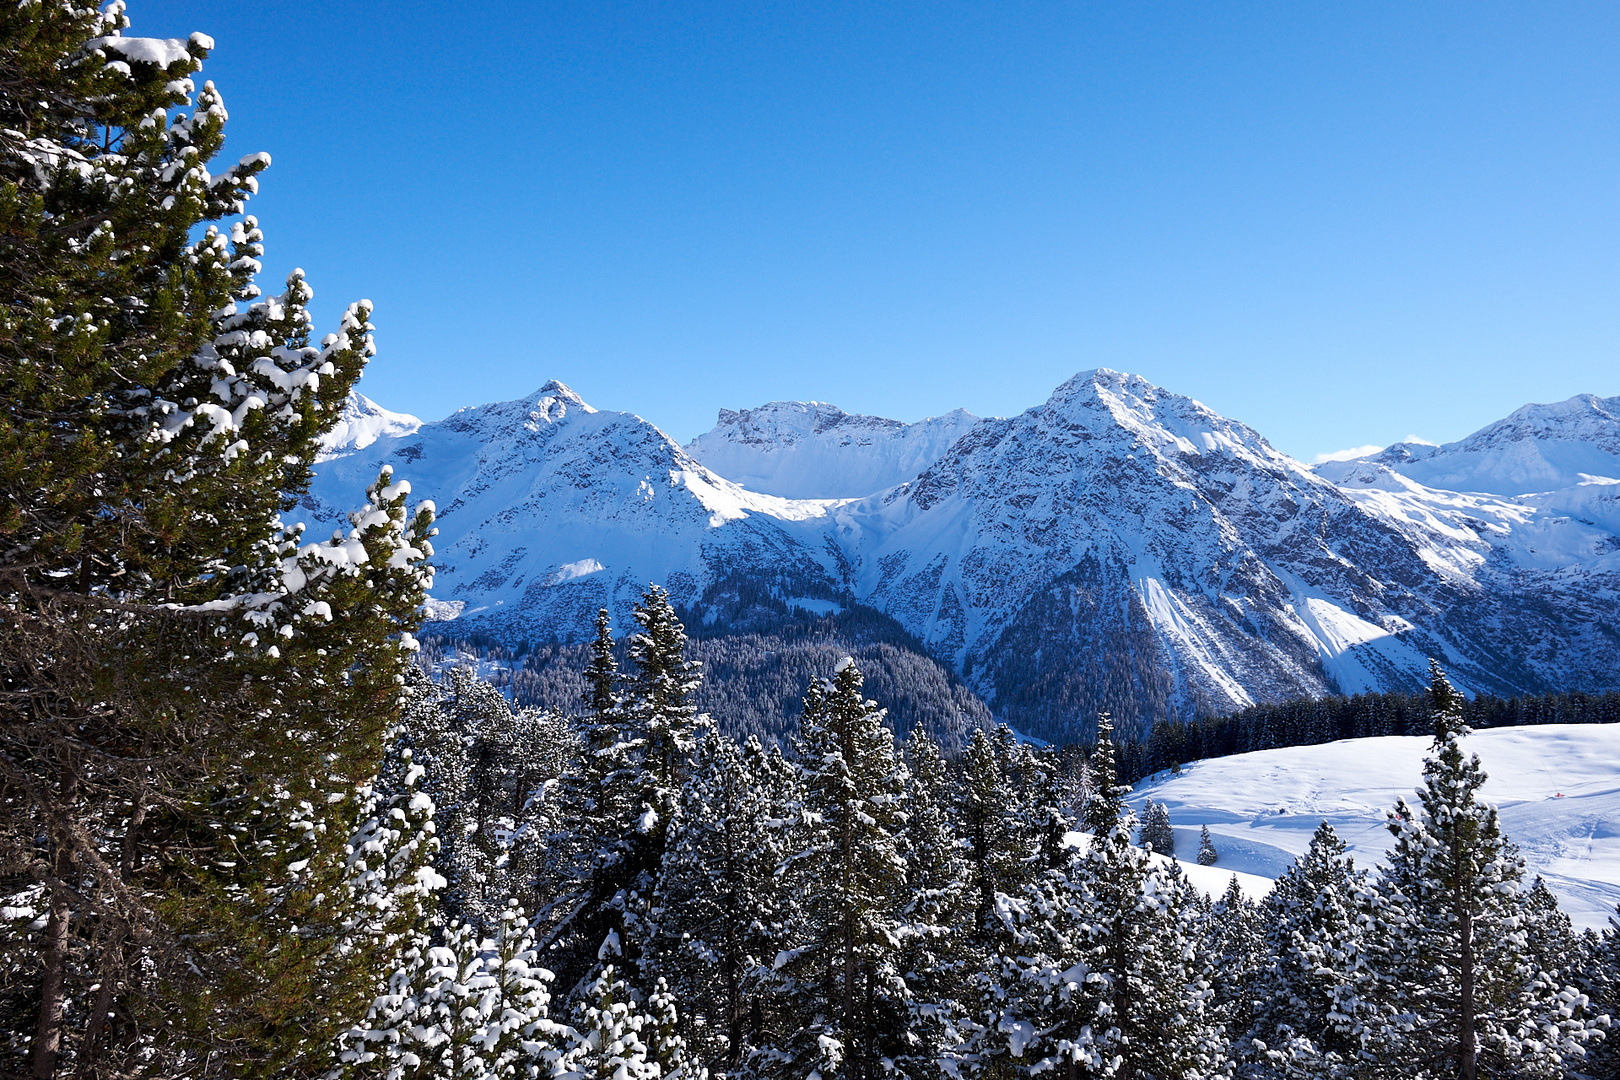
1207 855
1461 989
1107 801
721 905
845 999
1307 1015
1157 835
934 956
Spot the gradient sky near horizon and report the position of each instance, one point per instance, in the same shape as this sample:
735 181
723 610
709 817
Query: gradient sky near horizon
1340 224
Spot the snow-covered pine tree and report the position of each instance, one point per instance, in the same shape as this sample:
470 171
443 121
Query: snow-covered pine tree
934 955
1549 933
1233 933
1461 991
659 711
480 1010
721 906
611 1039
1599 979
1109 973
181 673
1157 835
1107 801
624 799
842 997
1207 855
1306 1007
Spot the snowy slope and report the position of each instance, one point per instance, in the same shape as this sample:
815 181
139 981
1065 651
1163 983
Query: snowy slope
1557 789
1118 547
1538 448
812 450
362 423
549 509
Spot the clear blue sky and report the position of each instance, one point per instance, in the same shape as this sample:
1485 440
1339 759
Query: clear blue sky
1339 223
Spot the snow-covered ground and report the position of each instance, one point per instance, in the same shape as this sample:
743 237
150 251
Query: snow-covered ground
1557 789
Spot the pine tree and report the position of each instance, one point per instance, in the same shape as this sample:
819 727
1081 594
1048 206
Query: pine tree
183 676
1107 801
1307 1014
1157 835
611 1041
935 956
721 905
1599 979
1207 855
1462 991
844 998
1235 946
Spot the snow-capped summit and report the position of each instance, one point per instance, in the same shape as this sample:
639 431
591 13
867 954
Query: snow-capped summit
362 423
1116 547
549 509
1537 448
813 450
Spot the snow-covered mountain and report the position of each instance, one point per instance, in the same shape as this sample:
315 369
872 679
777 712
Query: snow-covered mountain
362 423
549 509
1118 547
812 450
1538 448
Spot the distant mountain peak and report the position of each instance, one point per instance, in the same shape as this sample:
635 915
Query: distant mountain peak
361 423
558 392
816 450
1536 448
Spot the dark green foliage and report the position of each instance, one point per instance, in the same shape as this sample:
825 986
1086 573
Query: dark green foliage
194 703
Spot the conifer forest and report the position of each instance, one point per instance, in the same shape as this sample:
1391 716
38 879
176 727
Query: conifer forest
249 829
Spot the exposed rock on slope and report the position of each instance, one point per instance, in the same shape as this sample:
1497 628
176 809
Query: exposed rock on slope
1117 547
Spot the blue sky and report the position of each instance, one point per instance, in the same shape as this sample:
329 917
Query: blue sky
1341 224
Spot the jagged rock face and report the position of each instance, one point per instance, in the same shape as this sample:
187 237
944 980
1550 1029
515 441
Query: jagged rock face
812 450
1123 548
1118 547
549 509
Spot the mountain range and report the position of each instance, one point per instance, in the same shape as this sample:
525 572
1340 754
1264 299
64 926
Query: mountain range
1118 547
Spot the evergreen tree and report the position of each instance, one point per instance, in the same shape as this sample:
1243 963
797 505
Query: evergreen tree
1307 1013
195 702
1207 855
934 956
721 907
845 1000
1107 801
1157 835
1599 979
1235 946
1461 990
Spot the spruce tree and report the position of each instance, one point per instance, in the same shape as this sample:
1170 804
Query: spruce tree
722 907
1157 835
843 993
1207 855
935 957
1307 1013
195 701
1462 992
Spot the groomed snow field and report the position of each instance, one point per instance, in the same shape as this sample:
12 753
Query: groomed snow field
1556 788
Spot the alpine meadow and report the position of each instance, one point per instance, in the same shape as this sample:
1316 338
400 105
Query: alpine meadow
1104 740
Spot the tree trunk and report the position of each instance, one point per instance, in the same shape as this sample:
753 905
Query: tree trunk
1467 1046
53 981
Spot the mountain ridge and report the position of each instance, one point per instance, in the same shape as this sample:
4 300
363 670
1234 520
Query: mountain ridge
1116 547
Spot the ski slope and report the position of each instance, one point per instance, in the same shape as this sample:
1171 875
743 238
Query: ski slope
1557 790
